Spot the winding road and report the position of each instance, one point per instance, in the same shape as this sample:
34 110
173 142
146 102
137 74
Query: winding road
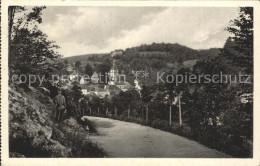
124 139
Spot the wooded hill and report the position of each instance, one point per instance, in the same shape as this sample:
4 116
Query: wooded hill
155 55
152 58
85 58
161 55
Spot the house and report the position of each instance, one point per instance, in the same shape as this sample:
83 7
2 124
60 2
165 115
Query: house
86 89
84 80
116 52
93 89
246 98
69 68
124 86
113 89
101 92
73 75
137 86
95 77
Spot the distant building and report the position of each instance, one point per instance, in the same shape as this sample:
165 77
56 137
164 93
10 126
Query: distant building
113 73
95 77
124 86
69 68
116 52
101 92
73 75
246 98
84 80
94 90
137 86
113 89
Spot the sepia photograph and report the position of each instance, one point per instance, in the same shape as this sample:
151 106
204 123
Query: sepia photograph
130 82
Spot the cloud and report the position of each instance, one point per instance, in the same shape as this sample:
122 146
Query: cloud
80 30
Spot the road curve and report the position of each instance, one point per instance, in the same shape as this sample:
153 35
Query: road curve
124 139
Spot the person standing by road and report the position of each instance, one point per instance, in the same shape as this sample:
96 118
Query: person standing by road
83 105
60 102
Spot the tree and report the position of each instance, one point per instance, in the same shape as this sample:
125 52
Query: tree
78 64
61 65
66 62
77 93
30 50
12 10
104 68
242 29
89 70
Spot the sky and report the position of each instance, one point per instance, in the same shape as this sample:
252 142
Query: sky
86 30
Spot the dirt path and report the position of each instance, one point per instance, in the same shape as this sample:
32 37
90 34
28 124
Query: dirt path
123 139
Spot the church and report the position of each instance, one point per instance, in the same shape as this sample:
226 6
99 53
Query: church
118 79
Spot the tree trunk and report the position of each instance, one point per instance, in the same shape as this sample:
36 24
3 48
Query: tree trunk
11 11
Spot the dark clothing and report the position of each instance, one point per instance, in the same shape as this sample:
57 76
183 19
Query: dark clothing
58 114
60 102
83 105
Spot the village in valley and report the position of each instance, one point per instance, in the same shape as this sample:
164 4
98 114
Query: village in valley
146 98
107 85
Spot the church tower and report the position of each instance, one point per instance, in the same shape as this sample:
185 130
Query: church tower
113 72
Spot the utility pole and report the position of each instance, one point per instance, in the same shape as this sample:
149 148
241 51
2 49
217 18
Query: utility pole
180 119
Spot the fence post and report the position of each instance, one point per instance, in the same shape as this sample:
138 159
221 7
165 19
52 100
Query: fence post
98 111
170 115
106 111
90 111
128 115
142 113
180 119
115 111
146 120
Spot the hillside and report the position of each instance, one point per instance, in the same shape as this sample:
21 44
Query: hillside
33 132
170 52
90 58
150 57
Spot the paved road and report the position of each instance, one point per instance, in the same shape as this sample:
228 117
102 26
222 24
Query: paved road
124 139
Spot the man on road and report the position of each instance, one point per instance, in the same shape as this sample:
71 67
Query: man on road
60 102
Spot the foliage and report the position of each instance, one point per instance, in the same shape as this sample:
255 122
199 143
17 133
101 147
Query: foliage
104 68
77 64
89 70
242 30
30 50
